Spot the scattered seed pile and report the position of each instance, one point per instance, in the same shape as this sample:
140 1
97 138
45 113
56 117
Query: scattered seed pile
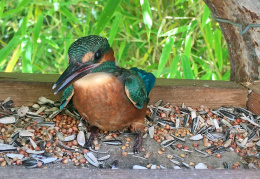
175 137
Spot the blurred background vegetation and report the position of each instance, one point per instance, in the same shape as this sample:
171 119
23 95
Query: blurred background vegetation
172 39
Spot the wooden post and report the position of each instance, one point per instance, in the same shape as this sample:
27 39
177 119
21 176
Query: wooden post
253 102
244 49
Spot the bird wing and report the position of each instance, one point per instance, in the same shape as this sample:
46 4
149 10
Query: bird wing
66 96
135 90
148 79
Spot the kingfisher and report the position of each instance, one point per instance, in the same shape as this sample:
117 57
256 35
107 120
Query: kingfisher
106 95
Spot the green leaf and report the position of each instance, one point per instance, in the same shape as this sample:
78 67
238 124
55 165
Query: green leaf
174 66
26 56
215 76
121 50
187 72
217 47
205 15
69 15
176 30
207 76
36 30
226 76
20 6
8 48
13 60
24 26
2 5
23 3
165 55
50 42
195 69
209 35
106 15
147 16
187 48
114 28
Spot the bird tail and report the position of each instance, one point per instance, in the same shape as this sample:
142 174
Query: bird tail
148 78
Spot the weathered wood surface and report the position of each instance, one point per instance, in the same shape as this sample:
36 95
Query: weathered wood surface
244 50
253 102
194 93
127 174
26 88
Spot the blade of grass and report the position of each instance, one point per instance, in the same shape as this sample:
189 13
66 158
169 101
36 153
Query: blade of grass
8 48
26 56
69 15
147 16
176 31
50 42
187 72
214 76
121 50
226 76
209 35
165 55
146 55
24 27
114 28
207 76
106 15
174 66
20 6
187 47
195 69
218 49
2 5
205 15
37 30
14 59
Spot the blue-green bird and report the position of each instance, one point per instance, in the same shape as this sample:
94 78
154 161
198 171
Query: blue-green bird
106 95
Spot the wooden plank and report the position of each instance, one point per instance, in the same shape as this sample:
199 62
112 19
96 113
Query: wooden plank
194 93
26 88
97 173
253 102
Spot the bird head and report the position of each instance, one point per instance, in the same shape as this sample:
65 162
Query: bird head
84 54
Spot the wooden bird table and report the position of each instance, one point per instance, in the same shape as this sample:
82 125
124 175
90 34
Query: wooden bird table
24 89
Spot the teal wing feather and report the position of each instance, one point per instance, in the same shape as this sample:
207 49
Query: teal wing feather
66 96
135 89
148 79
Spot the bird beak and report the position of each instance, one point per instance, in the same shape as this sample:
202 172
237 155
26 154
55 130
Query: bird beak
73 72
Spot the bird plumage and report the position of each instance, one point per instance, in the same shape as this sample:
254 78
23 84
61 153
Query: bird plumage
108 96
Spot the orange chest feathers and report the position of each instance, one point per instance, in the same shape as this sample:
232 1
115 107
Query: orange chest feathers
101 99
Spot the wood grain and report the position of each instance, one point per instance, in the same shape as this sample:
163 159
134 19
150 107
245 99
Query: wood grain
244 50
194 93
26 88
253 102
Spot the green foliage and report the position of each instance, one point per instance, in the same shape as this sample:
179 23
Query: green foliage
172 39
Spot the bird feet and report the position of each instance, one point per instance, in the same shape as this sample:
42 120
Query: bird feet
138 142
94 132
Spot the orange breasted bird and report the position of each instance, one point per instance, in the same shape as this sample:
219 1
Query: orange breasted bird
106 95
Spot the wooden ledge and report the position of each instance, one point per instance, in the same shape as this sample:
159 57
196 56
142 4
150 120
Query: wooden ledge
194 93
26 88
119 173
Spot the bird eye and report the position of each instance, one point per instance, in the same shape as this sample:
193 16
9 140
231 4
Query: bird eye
98 55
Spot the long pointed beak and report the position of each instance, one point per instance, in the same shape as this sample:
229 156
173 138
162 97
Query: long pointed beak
73 72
